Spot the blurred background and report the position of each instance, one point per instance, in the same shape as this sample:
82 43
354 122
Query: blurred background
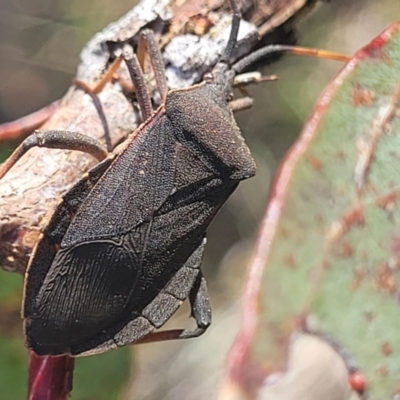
40 41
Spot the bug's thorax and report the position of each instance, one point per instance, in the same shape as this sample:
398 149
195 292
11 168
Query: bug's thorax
204 124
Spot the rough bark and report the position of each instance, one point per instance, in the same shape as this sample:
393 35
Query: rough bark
30 191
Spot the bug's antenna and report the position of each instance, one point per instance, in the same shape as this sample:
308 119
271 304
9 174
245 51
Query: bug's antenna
248 61
230 46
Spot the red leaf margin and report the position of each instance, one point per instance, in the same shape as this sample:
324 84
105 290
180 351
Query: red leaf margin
240 372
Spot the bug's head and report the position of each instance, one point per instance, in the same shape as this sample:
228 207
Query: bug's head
222 77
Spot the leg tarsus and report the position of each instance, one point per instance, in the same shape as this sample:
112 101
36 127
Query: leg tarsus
200 303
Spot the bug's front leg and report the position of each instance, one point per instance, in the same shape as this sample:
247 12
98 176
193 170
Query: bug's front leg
55 140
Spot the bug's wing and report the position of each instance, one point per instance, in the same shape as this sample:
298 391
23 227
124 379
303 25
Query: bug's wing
47 247
89 283
139 181
85 291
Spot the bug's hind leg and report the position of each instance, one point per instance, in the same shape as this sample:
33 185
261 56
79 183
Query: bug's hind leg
187 283
201 308
201 312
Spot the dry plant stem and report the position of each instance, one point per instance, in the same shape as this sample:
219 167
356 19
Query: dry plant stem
281 15
31 189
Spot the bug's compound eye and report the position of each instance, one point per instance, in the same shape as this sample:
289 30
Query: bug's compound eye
209 77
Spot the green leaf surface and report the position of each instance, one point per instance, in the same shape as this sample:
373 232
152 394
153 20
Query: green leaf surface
328 256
